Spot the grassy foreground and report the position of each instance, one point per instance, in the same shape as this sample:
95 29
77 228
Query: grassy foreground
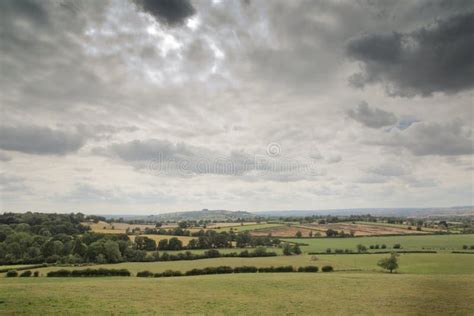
267 294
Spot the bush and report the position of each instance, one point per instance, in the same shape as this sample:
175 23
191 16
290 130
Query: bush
339 251
308 269
384 246
397 246
284 269
36 274
144 274
11 274
371 246
328 250
472 247
465 247
26 274
59 273
212 253
245 269
327 269
89 273
170 273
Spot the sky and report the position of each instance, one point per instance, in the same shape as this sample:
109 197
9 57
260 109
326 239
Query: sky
144 107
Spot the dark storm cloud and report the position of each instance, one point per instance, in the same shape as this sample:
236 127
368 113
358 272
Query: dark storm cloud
436 58
40 140
374 118
171 12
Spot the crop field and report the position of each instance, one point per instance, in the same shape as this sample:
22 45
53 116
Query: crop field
358 229
250 227
118 228
257 294
428 242
282 231
157 238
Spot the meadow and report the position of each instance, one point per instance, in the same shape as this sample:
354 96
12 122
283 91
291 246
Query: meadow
425 242
257 294
413 263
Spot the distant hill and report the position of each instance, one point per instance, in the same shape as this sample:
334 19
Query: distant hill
410 212
217 215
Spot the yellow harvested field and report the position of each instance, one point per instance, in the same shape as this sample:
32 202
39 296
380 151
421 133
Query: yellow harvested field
157 238
119 228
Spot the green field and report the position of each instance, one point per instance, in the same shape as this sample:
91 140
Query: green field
257 294
441 263
425 242
247 227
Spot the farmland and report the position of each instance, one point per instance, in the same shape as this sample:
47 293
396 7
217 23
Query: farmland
276 294
429 242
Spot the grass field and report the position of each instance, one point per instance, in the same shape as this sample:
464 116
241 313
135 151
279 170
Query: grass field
256 294
248 227
429 242
442 263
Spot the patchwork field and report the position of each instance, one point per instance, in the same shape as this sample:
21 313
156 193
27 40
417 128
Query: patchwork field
427 242
358 229
256 294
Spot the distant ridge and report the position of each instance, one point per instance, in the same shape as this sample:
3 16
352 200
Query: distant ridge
409 211
219 215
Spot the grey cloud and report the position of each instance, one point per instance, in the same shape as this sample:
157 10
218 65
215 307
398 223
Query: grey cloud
12 183
430 138
39 140
374 118
389 170
179 159
171 12
436 58
4 157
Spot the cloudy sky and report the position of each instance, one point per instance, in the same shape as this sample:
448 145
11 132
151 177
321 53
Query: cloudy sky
140 106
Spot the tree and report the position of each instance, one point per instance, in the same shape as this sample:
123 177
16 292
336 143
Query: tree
297 250
175 244
390 263
79 248
163 244
361 248
287 249
112 251
299 234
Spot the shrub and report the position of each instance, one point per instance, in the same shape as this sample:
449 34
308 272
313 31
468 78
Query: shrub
59 273
465 247
36 274
144 274
397 246
327 269
245 269
224 269
328 250
284 269
26 274
171 273
11 274
308 269
377 246
266 269
384 246
212 253
371 246
472 247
